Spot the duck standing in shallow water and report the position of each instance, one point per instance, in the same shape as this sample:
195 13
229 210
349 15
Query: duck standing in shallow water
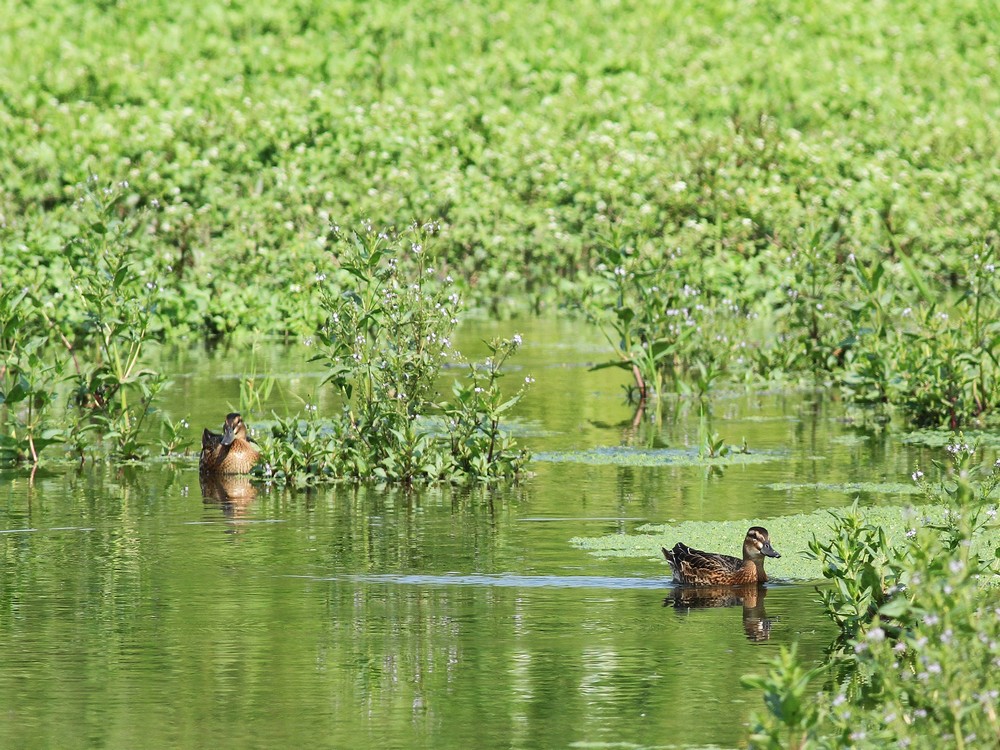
692 567
232 452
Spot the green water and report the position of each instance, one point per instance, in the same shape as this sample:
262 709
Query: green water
137 612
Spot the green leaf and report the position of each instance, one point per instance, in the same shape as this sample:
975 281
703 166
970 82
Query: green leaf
614 363
895 608
916 278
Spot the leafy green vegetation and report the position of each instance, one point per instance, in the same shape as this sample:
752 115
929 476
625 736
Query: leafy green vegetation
387 333
919 622
725 188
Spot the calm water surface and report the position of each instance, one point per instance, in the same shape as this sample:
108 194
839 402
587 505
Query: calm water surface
138 611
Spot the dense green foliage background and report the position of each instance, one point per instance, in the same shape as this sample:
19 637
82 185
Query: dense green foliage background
730 188
717 128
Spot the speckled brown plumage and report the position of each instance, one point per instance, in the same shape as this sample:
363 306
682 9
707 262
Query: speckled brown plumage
232 452
693 567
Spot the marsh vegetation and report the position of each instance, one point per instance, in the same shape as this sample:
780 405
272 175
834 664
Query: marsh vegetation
740 197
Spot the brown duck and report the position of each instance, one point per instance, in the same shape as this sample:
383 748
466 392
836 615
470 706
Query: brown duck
693 567
232 452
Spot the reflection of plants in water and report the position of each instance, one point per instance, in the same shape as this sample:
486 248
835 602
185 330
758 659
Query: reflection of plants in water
387 333
919 634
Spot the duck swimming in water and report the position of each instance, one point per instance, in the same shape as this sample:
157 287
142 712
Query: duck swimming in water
693 567
232 452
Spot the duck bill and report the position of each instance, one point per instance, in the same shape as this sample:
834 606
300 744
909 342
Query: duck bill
227 434
770 551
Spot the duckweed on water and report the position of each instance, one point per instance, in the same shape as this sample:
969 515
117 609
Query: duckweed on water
789 534
850 488
942 438
653 457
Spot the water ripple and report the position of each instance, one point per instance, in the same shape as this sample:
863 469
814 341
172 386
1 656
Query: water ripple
505 580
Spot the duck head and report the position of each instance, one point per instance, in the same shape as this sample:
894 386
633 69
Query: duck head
758 544
233 429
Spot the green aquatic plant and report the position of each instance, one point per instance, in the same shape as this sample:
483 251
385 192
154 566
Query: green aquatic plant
793 719
113 389
174 436
28 381
473 418
306 450
633 322
913 348
858 560
919 622
529 159
388 330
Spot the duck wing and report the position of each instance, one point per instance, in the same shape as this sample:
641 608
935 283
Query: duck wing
694 563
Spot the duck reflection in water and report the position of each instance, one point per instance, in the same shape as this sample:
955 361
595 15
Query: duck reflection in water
230 492
756 624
